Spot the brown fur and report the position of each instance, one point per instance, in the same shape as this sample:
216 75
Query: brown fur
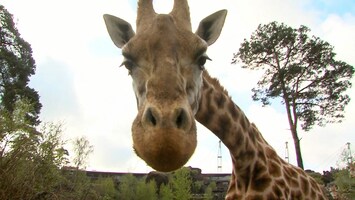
162 58
258 172
162 78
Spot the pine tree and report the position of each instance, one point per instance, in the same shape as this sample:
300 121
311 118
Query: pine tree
16 67
302 72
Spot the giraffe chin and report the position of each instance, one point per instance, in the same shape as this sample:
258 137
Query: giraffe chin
164 149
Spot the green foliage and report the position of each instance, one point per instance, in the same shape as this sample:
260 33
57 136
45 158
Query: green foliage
179 187
29 159
181 184
132 189
147 190
127 187
317 176
196 187
16 66
345 184
209 190
105 188
166 192
51 146
76 185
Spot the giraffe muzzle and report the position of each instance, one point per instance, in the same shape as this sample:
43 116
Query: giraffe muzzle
164 138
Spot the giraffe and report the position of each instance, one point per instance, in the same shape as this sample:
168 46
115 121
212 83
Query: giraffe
166 62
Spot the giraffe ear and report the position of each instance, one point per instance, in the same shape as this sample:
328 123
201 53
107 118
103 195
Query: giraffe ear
119 30
210 27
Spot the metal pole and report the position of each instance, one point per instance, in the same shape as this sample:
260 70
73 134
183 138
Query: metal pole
219 157
349 158
287 154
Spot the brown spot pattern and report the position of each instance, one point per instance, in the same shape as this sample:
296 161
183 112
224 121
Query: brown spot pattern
277 191
254 197
220 99
296 195
260 184
304 185
274 169
239 140
261 156
224 127
233 110
257 166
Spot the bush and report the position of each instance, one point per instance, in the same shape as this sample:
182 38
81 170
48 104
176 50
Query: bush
345 184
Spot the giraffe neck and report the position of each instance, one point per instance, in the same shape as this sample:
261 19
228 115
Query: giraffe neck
227 121
258 172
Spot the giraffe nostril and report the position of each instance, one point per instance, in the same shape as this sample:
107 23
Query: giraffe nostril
178 118
150 118
181 118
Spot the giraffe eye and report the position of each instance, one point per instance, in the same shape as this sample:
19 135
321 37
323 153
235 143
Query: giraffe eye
201 61
128 64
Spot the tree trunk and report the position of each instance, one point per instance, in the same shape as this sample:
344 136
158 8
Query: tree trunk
293 127
297 148
292 116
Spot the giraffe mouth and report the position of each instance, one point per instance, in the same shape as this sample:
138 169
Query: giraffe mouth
164 141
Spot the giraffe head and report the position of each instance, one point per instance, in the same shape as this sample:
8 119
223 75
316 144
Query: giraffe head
165 60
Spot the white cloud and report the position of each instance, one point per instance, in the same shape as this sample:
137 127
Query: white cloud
338 31
94 97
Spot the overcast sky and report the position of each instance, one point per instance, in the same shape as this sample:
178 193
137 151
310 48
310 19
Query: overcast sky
80 83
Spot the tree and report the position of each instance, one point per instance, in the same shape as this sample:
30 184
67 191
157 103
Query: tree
127 187
81 184
82 150
316 176
131 188
146 190
181 184
345 184
165 192
209 190
105 188
302 71
29 159
16 66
